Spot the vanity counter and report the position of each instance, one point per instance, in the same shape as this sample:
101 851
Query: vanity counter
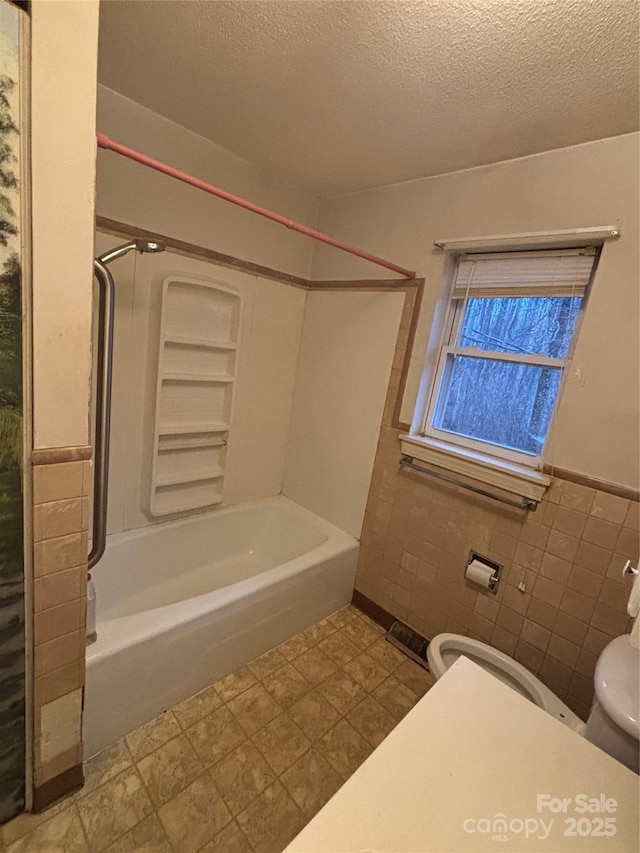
476 767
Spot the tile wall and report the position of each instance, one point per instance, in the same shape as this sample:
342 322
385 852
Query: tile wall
60 520
569 553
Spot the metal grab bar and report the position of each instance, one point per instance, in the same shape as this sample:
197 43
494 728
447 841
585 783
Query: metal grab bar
104 369
527 503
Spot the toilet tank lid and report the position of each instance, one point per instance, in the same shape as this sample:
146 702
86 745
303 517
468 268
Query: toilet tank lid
617 684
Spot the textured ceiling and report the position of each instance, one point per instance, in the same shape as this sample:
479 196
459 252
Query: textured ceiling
338 96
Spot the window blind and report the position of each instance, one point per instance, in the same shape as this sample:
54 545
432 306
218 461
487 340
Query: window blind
555 273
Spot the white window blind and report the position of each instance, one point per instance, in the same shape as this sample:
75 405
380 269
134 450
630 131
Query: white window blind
552 273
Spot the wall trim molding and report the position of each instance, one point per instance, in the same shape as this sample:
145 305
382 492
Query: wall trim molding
54 455
592 483
378 614
58 788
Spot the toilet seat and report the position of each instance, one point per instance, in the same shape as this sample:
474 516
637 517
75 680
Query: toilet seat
445 649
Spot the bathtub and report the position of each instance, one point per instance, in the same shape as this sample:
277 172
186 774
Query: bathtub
184 603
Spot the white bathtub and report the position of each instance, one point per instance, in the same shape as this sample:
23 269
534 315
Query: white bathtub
183 604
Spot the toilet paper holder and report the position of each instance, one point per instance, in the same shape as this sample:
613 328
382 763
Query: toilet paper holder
492 565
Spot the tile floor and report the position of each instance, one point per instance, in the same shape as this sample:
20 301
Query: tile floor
243 765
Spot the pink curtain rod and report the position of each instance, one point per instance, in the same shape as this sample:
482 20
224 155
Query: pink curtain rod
132 154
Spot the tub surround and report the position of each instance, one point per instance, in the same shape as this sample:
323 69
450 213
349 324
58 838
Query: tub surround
441 804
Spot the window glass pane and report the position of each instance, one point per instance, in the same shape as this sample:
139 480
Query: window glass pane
527 324
501 402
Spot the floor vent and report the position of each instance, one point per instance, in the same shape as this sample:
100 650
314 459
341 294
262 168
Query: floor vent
413 645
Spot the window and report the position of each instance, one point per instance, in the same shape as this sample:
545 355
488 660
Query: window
508 338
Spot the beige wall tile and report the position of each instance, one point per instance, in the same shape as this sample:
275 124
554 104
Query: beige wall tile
72 757
570 628
542 613
55 684
59 588
577 497
562 545
57 518
570 521
610 507
564 651
57 621
535 635
629 543
59 652
632 519
602 533
57 482
62 552
609 621
563 553
585 582
548 591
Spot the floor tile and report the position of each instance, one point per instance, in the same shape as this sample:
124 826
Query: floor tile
242 776
152 735
231 840
319 631
62 833
395 697
344 748
386 654
113 808
281 743
105 765
147 837
295 646
314 715
360 633
271 821
311 782
341 691
196 707
371 720
194 816
366 671
314 665
339 648
216 735
342 617
254 708
235 683
286 685
415 677
169 769
267 663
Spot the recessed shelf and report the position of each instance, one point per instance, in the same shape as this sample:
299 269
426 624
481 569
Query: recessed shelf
197 361
189 444
168 429
196 377
196 342
178 479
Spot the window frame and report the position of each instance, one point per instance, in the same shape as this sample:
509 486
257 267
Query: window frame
449 346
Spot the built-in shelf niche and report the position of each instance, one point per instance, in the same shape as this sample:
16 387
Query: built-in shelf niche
199 330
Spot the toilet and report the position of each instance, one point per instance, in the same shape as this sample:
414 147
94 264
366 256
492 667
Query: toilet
614 721
445 649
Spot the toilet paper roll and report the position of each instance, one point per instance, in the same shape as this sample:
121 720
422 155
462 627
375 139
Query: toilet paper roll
479 573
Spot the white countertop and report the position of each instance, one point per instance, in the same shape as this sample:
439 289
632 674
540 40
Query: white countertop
471 753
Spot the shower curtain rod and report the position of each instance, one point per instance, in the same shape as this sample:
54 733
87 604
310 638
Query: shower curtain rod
111 145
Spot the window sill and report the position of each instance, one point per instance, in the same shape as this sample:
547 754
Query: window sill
488 470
